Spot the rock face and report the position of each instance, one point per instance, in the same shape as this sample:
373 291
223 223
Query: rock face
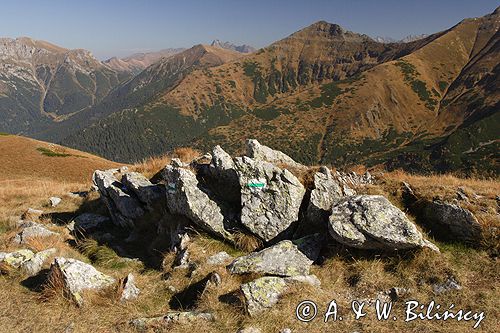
372 222
262 294
32 230
184 197
270 197
263 153
123 207
326 190
451 222
147 192
78 276
286 258
223 177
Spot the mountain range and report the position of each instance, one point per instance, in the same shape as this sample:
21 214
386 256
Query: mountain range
323 95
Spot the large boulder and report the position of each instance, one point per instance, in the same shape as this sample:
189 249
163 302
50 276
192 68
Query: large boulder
77 276
184 197
260 152
326 189
263 293
124 208
449 221
372 222
148 193
270 198
286 258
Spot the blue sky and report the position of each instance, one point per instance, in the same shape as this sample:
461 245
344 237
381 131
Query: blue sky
122 27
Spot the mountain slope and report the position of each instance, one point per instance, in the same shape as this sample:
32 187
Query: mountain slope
41 83
139 61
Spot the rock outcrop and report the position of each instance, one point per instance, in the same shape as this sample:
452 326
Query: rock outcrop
88 223
148 193
122 206
286 258
372 222
221 176
270 198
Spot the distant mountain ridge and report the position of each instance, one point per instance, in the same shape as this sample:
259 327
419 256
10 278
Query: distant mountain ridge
230 46
137 62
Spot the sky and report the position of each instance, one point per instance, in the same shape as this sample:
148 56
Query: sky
122 27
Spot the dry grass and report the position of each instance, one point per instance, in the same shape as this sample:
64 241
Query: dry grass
150 166
186 154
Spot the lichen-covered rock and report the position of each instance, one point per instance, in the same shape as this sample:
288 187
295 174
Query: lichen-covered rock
324 193
34 265
88 222
16 259
148 193
32 230
173 317
78 276
450 221
129 289
260 152
219 258
184 197
123 208
311 280
286 258
372 222
263 293
270 198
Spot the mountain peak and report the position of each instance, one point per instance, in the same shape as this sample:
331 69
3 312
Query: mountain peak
230 46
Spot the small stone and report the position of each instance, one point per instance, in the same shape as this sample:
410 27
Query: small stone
34 230
249 330
449 285
54 201
34 265
311 280
286 330
129 289
171 317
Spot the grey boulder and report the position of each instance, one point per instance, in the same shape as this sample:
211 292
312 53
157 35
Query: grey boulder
261 294
34 265
270 198
78 276
184 197
148 193
16 259
32 230
129 289
372 222
260 152
286 258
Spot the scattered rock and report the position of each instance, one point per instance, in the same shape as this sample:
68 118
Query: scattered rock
88 223
123 208
449 285
185 198
311 280
372 222
450 221
54 201
148 193
461 195
129 289
34 265
31 214
171 318
263 293
286 258
16 259
270 198
219 258
33 230
78 276
286 330
260 152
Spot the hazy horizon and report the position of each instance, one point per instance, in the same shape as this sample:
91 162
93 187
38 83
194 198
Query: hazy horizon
121 28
